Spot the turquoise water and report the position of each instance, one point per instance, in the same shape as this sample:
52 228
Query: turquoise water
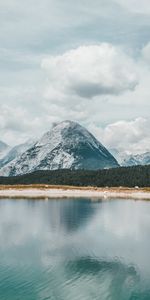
74 249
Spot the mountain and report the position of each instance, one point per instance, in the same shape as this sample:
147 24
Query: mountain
15 152
67 145
4 148
137 159
125 159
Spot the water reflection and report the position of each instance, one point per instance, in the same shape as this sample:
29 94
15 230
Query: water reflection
74 249
113 277
72 213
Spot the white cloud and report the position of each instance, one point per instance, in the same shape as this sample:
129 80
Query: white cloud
106 68
89 71
90 84
136 6
146 53
132 136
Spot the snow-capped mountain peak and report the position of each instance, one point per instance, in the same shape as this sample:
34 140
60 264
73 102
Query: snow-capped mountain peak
136 159
66 145
126 158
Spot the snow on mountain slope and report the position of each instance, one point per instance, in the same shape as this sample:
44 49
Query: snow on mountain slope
137 159
15 152
67 145
127 159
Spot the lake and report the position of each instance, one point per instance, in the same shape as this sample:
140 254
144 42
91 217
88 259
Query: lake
74 249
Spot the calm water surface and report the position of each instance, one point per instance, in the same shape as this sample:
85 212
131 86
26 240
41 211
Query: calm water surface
74 249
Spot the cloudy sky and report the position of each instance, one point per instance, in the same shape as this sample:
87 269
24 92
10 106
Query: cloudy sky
88 61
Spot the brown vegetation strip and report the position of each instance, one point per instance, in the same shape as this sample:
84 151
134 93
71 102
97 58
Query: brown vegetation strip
62 187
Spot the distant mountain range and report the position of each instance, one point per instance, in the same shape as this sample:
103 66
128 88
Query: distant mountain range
137 159
68 145
127 160
14 152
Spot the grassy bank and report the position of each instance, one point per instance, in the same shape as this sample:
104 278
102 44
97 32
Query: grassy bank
61 192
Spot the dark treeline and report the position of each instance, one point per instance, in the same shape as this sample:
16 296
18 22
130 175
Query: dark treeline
123 176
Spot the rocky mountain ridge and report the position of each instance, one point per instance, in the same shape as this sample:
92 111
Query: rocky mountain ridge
68 145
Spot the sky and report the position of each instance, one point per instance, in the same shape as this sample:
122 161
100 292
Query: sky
87 61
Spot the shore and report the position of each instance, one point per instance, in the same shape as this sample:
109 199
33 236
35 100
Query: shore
53 192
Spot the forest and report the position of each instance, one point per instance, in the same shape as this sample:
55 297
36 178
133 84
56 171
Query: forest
123 176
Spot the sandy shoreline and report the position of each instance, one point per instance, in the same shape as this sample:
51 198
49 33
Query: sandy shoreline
53 192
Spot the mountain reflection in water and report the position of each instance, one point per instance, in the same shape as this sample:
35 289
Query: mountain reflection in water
74 249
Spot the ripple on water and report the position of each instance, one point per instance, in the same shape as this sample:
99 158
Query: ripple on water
74 250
